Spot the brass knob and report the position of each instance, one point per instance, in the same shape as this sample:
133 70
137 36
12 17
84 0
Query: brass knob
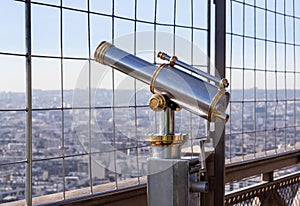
223 83
173 61
161 55
157 102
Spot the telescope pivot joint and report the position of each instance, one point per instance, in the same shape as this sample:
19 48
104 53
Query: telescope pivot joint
157 102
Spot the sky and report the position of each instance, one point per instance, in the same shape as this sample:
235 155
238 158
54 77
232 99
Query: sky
46 72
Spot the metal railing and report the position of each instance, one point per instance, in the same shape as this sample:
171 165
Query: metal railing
276 182
263 134
63 123
262 50
262 47
283 191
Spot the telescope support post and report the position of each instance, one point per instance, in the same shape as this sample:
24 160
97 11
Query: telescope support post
173 180
169 121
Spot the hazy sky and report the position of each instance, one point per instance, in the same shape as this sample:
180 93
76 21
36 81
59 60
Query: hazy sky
46 38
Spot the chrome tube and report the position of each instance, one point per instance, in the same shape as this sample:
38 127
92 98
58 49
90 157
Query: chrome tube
189 92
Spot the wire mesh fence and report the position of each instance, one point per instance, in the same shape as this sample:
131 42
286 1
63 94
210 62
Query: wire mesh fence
86 121
283 191
86 131
263 68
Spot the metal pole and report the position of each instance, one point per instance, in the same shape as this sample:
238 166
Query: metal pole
29 105
220 55
169 121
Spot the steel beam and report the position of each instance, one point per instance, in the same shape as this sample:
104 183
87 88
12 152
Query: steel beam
220 56
28 104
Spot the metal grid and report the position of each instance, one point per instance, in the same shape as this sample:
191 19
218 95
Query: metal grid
59 40
283 191
263 68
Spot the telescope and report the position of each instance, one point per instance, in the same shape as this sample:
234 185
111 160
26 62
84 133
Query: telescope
175 85
189 92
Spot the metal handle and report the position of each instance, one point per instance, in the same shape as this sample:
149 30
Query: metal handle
174 61
199 187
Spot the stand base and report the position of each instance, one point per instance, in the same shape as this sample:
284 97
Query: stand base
169 183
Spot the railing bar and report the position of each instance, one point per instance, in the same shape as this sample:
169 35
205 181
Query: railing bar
265 9
265 116
115 16
285 75
258 69
243 80
91 182
261 39
230 69
28 134
12 54
78 108
13 163
255 82
294 64
135 96
113 100
257 189
62 96
276 83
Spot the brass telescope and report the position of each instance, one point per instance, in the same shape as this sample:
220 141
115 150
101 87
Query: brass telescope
173 179
188 91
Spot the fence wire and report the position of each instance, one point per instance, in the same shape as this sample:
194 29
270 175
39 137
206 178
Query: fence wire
262 49
67 121
262 65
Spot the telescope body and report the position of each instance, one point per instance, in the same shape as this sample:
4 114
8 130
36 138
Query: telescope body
188 91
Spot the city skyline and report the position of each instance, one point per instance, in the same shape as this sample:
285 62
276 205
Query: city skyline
49 147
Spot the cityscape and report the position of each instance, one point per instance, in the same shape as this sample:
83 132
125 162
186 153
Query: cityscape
64 138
